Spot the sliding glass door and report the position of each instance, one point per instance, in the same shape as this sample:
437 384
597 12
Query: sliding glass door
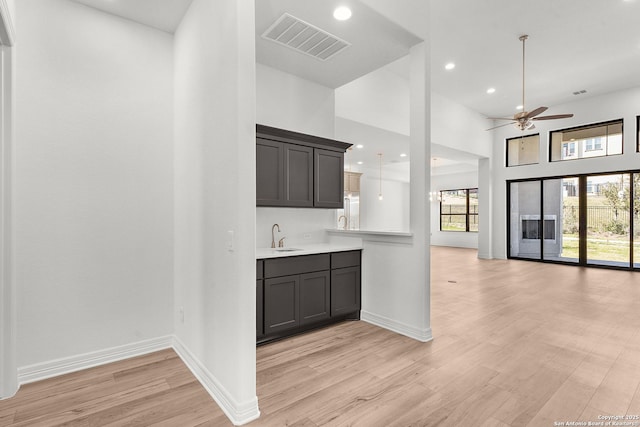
525 224
561 219
586 219
608 220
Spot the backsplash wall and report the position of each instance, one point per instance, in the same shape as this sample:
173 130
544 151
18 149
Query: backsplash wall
299 226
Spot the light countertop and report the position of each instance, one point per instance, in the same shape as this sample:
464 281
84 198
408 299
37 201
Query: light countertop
318 248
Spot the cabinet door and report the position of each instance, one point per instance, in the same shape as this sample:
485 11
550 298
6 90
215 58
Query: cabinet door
298 163
270 177
329 179
315 295
345 290
281 303
259 308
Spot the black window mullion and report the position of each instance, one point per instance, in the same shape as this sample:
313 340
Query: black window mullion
631 215
467 216
582 220
541 226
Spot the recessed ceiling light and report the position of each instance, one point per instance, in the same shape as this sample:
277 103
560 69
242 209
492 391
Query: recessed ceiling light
360 163
519 107
359 146
491 90
450 66
342 13
403 155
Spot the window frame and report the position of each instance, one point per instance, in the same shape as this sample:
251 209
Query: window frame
584 261
468 214
638 134
587 126
507 140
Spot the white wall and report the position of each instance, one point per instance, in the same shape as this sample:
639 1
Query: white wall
395 270
451 238
459 127
379 99
8 291
214 162
7 24
298 226
93 181
290 102
612 106
389 214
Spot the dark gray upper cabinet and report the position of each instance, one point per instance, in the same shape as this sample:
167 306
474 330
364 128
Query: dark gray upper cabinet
269 173
298 170
298 175
329 179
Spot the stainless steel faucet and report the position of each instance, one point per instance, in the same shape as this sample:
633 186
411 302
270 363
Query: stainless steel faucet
273 237
345 221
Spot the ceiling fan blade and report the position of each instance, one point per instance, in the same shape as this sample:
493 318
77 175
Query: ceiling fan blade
535 112
500 118
553 117
499 126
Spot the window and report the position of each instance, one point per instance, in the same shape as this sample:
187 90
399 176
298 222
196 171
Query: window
603 139
523 150
459 210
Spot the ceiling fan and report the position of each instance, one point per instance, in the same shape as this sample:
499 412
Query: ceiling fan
524 119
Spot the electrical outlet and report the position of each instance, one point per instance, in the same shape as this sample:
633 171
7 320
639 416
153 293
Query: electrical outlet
306 236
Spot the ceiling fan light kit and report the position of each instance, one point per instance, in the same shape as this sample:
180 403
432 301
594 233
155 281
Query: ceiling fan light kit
524 119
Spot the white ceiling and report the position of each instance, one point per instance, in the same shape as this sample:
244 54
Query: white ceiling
375 41
574 45
164 15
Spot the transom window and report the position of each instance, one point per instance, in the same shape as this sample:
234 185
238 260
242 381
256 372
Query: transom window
602 139
523 150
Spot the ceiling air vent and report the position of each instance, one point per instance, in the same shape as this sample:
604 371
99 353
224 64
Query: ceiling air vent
304 37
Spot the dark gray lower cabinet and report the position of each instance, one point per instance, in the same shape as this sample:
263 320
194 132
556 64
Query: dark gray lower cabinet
259 298
281 307
259 308
303 292
345 290
315 294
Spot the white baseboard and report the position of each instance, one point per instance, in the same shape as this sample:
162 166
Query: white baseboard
422 335
239 413
66 365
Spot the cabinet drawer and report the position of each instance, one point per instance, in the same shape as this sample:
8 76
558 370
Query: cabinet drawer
296 265
259 269
345 259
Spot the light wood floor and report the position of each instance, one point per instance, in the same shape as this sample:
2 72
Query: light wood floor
516 343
